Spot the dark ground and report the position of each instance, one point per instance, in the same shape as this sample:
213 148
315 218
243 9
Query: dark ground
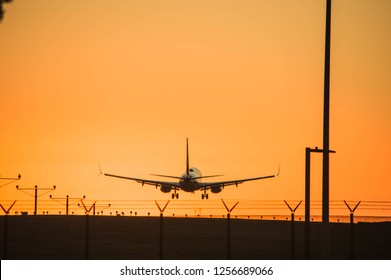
64 237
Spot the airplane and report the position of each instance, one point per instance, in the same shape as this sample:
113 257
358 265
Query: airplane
190 181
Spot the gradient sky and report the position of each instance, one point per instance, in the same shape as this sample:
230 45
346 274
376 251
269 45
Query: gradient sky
125 82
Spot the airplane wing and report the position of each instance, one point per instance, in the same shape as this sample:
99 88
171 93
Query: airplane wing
222 184
173 185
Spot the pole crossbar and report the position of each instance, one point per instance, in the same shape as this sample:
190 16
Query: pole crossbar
6 211
67 199
13 180
18 178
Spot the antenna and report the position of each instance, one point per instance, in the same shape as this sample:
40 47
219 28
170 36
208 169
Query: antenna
229 210
36 189
293 210
161 228
352 227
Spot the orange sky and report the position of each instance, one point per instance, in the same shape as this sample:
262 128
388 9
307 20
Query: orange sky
125 83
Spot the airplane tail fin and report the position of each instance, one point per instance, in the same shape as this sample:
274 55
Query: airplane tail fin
187 165
187 158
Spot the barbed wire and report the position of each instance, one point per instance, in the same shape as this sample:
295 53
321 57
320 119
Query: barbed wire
48 205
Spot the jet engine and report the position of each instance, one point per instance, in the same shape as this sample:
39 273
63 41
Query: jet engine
216 189
165 188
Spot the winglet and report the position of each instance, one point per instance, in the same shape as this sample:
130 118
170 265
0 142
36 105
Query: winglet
100 169
279 168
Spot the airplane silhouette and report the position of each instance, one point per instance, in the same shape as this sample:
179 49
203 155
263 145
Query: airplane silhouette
190 181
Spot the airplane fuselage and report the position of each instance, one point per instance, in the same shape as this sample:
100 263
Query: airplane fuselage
189 182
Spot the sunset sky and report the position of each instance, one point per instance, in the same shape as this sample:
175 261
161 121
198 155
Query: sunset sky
125 82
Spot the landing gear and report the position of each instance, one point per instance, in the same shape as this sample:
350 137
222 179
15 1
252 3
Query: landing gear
175 195
204 195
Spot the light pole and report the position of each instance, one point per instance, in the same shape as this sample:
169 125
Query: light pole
36 189
326 139
307 233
